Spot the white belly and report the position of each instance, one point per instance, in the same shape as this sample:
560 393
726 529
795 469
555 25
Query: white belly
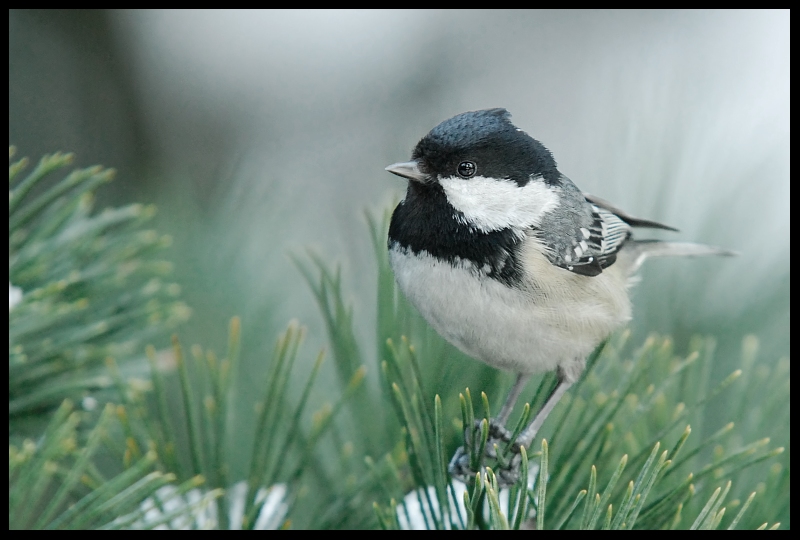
527 331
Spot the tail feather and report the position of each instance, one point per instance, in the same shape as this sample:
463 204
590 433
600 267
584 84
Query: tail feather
642 249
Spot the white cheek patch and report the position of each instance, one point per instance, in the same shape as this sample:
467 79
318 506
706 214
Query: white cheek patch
489 204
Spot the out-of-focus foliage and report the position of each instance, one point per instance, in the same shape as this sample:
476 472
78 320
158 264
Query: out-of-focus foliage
185 415
54 482
85 296
83 287
91 284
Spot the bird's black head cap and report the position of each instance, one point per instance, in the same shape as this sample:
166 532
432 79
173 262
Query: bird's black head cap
487 138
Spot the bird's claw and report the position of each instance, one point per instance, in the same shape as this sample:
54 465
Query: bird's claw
498 432
508 476
506 470
459 466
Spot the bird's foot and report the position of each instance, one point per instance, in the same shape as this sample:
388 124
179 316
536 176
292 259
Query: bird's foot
507 473
498 435
460 467
506 463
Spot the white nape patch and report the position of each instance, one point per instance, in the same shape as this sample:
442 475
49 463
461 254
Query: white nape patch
492 204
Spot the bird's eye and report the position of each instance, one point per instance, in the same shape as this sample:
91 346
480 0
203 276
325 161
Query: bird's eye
467 169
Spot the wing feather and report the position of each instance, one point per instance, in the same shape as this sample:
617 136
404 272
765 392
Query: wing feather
595 247
588 233
624 216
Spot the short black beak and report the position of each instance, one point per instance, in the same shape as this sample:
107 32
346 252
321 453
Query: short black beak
410 170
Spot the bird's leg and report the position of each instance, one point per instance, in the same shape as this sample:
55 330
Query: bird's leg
510 475
529 433
513 395
497 426
459 466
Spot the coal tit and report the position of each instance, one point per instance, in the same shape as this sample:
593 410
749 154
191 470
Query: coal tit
508 260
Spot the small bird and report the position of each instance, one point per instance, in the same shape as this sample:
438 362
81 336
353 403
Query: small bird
509 261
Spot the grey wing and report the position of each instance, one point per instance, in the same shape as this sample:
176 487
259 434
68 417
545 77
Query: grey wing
595 247
587 232
583 238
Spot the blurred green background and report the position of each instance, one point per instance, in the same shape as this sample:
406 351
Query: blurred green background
259 134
